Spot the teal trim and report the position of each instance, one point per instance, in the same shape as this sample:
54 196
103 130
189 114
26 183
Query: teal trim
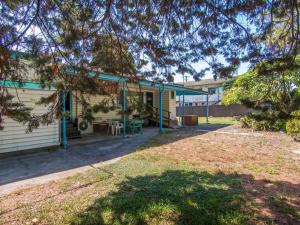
160 110
124 108
180 90
109 77
28 85
183 104
64 121
207 109
71 104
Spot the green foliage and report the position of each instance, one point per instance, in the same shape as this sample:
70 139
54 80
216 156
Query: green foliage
263 122
293 125
293 128
271 89
144 39
263 89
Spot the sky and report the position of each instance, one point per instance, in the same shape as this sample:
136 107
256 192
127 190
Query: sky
198 66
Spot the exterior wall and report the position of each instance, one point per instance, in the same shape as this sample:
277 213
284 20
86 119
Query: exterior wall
100 116
14 137
168 104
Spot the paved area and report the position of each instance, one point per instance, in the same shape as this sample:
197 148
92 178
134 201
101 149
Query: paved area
23 171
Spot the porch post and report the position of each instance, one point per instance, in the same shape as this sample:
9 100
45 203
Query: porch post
160 110
124 108
207 109
64 122
182 123
179 109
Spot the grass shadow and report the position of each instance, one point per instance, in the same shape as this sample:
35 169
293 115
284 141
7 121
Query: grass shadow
174 197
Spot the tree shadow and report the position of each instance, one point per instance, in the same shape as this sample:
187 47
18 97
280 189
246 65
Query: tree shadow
195 198
174 197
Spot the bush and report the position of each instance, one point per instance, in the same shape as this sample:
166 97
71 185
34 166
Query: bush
293 125
263 121
293 128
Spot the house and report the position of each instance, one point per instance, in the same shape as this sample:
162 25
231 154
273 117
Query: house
215 88
160 97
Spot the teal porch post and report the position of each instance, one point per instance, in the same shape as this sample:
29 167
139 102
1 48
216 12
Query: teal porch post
179 110
183 110
207 109
124 108
64 121
160 110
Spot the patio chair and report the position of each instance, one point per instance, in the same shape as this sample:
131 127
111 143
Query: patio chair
118 127
135 126
110 128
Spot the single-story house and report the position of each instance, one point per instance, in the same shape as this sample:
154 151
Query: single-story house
161 97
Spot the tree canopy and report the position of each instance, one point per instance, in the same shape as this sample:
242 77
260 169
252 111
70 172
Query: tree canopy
266 89
141 39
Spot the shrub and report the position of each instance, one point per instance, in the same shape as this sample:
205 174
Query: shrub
293 128
263 121
293 125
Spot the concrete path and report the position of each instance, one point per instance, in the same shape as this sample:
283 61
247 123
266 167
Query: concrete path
27 170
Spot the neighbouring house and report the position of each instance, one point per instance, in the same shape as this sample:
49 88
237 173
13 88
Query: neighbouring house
160 98
215 88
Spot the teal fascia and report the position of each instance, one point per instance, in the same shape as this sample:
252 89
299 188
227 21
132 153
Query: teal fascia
27 85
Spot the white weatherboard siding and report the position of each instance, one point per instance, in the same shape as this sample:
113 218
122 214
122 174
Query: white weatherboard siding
14 137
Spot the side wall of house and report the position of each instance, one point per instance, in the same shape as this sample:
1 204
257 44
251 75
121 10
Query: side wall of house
14 137
169 104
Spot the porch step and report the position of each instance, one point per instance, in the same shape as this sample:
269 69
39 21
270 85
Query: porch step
72 132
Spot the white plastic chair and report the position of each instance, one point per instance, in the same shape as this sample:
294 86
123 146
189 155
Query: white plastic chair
110 128
118 127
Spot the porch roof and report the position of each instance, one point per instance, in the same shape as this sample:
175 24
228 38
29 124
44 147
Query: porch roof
180 90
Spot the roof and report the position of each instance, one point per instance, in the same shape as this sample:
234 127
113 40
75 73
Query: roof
180 90
205 82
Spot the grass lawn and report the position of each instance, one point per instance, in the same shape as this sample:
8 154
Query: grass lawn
182 177
218 120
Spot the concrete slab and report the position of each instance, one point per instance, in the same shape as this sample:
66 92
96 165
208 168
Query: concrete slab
27 170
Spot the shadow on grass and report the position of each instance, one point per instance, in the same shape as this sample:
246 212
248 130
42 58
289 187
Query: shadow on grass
174 197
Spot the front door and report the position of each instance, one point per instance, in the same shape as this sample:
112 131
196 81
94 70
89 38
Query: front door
68 102
149 99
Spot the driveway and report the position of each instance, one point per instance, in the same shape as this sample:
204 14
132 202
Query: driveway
23 171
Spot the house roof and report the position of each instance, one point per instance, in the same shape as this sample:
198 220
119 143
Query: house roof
180 90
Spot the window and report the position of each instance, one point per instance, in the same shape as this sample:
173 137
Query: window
190 104
172 94
196 104
212 91
186 104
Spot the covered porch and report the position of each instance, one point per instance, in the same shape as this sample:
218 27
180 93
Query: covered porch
159 96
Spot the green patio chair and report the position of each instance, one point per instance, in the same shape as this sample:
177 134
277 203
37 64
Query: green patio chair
134 126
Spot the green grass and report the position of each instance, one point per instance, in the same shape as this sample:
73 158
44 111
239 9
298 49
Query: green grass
148 188
143 189
218 120
156 191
